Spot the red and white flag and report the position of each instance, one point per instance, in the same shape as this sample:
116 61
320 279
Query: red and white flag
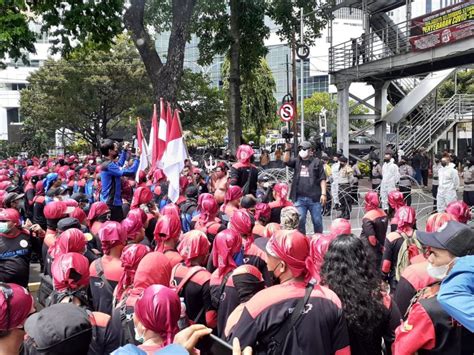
141 143
174 156
153 145
162 130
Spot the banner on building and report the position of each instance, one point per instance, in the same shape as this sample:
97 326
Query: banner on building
447 25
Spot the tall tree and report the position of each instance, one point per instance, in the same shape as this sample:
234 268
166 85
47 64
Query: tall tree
88 94
228 28
258 103
74 23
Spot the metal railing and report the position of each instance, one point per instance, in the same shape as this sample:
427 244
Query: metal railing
425 128
390 41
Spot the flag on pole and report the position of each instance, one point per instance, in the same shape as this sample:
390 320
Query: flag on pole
141 143
174 156
153 142
162 130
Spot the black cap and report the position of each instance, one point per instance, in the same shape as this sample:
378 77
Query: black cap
12 188
80 197
192 192
62 328
67 223
455 237
305 145
12 196
343 159
53 192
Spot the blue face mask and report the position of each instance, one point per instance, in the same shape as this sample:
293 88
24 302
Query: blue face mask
239 257
4 228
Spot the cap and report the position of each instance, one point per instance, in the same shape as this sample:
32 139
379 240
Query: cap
79 197
455 237
305 145
67 223
50 333
11 197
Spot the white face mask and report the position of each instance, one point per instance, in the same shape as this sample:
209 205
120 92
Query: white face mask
139 338
303 154
438 272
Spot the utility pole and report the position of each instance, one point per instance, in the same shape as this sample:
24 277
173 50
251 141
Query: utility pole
294 92
302 76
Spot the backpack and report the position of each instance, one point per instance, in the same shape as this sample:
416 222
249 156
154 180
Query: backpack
410 248
186 217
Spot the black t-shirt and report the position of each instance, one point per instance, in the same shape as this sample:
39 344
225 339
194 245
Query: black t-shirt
15 255
307 178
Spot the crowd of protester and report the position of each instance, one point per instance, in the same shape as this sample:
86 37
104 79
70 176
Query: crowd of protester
229 265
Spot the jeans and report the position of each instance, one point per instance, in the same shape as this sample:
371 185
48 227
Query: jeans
418 176
305 204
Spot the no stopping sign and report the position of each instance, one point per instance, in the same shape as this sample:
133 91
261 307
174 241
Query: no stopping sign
286 112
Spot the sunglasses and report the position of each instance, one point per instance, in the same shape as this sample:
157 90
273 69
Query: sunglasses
303 149
7 294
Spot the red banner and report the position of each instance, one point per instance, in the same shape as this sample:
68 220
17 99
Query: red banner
442 27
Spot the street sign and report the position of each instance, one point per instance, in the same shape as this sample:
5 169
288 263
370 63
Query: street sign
286 112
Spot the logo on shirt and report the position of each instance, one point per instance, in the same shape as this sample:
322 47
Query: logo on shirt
24 243
304 171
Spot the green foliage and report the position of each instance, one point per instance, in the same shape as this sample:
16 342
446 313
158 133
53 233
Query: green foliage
89 94
14 32
8 150
364 168
258 103
465 83
286 14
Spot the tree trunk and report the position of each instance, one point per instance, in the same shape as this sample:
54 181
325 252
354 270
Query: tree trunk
234 120
165 78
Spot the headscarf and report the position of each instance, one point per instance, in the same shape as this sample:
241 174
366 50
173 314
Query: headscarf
234 192
138 214
242 223
340 226
3 194
371 201
281 190
289 218
244 154
171 209
460 210
207 207
167 227
131 227
111 234
39 188
79 214
70 271
226 244
15 310
406 218
141 196
69 241
262 212
10 214
395 199
55 210
271 229
158 175
435 221
97 209
159 310
292 247
318 249
50 179
193 245
131 256
248 280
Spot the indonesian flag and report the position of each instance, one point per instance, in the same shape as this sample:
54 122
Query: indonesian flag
174 156
141 143
153 146
162 130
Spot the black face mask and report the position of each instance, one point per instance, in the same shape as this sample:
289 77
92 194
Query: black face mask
386 160
443 163
275 279
342 165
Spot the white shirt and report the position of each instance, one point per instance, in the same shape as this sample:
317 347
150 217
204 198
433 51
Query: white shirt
390 174
448 178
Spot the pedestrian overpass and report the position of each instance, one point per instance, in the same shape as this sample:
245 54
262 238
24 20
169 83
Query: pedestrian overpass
405 70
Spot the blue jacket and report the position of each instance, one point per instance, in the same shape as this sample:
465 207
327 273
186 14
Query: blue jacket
110 175
456 294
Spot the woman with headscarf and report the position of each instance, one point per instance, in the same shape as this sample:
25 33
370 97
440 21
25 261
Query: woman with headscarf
207 220
460 211
247 281
280 196
320 327
99 213
106 271
16 304
156 317
400 246
244 173
191 280
69 241
320 243
51 181
53 212
395 202
231 202
262 217
374 226
370 313
131 256
167 233
70 273
133 228
153 269
226 256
